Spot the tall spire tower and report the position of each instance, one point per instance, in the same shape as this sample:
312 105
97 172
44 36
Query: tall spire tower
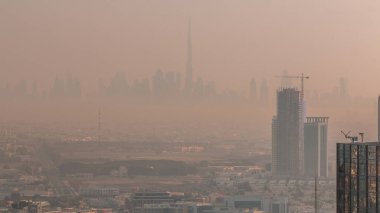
189 63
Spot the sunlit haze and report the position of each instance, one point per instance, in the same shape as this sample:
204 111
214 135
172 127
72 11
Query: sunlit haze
189 106
232 40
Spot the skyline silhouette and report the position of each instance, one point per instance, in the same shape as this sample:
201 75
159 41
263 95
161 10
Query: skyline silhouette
257 39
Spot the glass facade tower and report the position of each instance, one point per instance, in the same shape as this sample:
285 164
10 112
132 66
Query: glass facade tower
358 177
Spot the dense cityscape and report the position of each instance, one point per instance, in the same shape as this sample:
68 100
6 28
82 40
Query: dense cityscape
177 140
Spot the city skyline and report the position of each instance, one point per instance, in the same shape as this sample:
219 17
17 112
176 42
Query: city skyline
96 50
189 106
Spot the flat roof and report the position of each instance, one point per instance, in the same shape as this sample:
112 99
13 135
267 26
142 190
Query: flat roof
361 143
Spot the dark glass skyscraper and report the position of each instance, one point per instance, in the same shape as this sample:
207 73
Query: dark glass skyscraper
358 177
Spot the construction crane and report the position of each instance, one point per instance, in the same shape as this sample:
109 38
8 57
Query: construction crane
302 77
353 139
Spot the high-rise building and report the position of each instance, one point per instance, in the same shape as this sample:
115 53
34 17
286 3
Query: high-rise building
141 88
264 92
158 84
34 89
275 145
170 84
21 89
118 86
252 90
178 81
315 146
189 64
58 89
358 175
198 89
287 134
72 87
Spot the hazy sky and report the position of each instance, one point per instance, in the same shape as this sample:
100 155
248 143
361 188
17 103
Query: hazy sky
233 40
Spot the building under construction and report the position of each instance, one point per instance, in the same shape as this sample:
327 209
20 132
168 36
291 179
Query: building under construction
288 134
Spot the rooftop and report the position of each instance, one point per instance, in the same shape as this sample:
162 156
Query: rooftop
361 143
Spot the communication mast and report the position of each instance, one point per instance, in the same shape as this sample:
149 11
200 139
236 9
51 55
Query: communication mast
353 139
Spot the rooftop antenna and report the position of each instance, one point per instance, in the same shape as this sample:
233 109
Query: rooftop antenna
362 136
353 139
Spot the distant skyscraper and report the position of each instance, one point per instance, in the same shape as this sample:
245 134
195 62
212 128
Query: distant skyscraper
34 89
118 86
189 64
166 84
316 159
21 89
252 90
264 92
158 83
178 80
357 182
58 89
210 89
101 88
199 87
72 87
287 134
145 87
170 83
